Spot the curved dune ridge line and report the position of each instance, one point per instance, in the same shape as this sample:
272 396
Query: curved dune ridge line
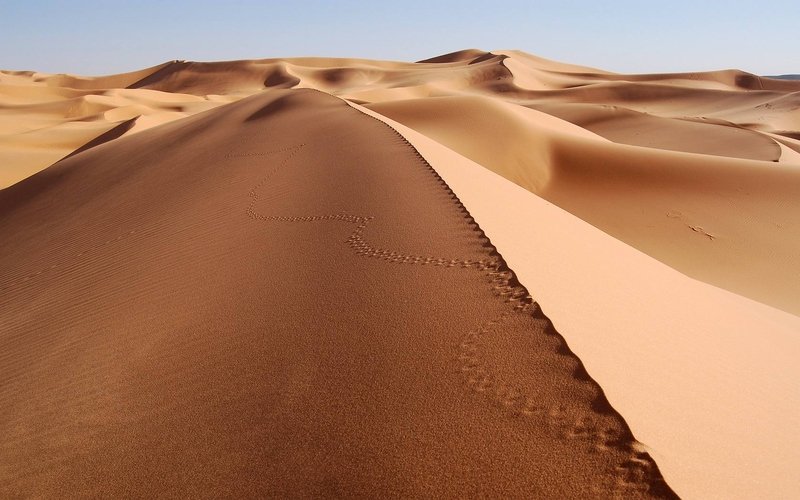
282 297
731 222
698 170
706 378
669 179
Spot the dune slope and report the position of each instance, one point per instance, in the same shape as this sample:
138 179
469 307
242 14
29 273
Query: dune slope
281 297
718 234
706 378
275 288
731 222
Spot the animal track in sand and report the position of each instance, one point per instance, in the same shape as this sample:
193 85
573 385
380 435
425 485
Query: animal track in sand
677 214
356 241
698 229
516 398
481 378
521 400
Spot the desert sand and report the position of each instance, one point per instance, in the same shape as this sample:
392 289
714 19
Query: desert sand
485 273
677 357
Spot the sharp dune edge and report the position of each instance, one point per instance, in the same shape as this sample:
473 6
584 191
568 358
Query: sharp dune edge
697 351
357 351
699 170
281 295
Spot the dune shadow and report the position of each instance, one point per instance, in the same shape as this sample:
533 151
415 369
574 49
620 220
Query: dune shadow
114 133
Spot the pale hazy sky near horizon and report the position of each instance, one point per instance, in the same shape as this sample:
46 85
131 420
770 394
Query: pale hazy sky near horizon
96 37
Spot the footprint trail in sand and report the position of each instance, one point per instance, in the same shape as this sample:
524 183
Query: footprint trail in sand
354 334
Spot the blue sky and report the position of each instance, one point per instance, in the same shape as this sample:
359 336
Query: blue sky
95 37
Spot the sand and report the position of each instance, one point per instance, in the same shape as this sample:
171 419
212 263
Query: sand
281 297
677 357
230 288
683 212
728 221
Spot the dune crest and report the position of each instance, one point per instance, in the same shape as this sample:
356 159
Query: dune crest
704 377
220 277
281 296
717 116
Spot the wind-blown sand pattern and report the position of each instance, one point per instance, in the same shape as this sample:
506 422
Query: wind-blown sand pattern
690 168
681 368
282 296
288 318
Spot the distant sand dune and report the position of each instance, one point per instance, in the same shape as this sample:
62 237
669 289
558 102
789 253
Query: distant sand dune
719 113
216 279
213 306
700 374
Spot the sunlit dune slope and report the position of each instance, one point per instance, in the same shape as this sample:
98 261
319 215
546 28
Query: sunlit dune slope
281 297
704 215
218 277
705 377
708 214
724 221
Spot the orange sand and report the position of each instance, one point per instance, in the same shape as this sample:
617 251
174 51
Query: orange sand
351 326
280 297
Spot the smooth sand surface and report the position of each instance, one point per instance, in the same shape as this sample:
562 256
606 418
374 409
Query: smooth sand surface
281 297
44 118
706 214
147 328
707 379
731 222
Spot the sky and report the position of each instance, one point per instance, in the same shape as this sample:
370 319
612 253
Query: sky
103 37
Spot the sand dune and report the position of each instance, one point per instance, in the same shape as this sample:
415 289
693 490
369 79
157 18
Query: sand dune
706 378
702 226
625 126
368 340
233 283
703 215
46 117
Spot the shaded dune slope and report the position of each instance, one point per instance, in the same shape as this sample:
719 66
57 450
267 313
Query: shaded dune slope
659 104
625 126
115 133
281 296
727 221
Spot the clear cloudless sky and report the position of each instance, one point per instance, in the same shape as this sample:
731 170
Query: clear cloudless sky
101 37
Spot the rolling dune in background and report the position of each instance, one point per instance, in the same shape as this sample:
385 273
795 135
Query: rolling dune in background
282 297
697 212
221 279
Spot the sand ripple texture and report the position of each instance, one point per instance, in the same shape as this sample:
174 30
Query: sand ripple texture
280 297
